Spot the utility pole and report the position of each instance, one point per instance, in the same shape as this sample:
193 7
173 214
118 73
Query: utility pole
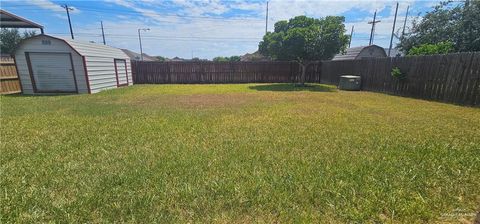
405 21
373 22
266 20
393 31
68 15
351 37
103 33
140 40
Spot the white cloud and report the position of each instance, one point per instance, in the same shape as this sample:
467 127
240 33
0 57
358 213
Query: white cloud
257 7
152 15
197 8
45 4
280 10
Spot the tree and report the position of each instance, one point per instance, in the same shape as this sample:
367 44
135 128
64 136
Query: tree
220 59
161 58
234 58
455 22
429 49
305 39
224 59
10 38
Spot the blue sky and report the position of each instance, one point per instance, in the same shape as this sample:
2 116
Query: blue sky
206 28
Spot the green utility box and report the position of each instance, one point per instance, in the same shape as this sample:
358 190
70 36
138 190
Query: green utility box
350 82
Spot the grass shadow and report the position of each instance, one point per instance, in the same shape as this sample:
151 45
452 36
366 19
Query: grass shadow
287 87
21 95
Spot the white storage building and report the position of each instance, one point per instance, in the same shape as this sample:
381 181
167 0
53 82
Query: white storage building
48 64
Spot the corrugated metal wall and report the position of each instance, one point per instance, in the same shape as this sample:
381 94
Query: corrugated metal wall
100 64
101 73
54 45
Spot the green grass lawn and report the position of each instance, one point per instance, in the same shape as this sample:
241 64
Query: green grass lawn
237 153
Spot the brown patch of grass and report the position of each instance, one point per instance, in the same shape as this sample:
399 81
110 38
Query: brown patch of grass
193 101
201 101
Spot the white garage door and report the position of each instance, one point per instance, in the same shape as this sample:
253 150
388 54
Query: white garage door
122 79
52 72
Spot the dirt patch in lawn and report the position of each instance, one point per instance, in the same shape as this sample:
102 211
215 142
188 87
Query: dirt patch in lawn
229 100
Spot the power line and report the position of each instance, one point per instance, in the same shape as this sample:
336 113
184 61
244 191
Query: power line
185 37
202 39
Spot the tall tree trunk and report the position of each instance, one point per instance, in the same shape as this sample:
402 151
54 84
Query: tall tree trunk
302 76
301 80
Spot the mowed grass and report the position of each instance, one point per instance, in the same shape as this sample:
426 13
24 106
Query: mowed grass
237 153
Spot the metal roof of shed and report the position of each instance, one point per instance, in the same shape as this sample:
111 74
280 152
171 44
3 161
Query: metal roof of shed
353 52
87 49
9 20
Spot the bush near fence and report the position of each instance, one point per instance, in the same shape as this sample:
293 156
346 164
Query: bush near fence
452 78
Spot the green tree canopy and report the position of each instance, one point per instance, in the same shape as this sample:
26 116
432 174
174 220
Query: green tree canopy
161 58
10 38
232 58
429 49
220 59
455 22
303 38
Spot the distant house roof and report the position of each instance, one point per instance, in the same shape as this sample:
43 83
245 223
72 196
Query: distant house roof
136 56
176 59
10 20
255 56
372 51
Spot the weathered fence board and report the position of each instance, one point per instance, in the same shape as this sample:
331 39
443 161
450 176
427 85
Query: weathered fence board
9 82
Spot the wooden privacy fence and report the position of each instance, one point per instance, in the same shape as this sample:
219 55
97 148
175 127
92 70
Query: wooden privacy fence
9 82
216 72
452 78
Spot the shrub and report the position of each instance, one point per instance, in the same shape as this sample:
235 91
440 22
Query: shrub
397 73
